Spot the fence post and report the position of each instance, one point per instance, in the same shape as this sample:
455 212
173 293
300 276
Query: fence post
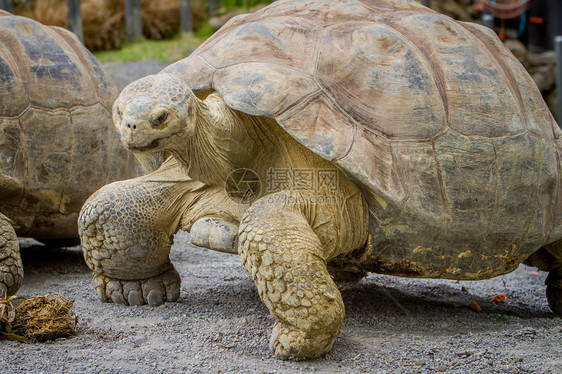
185 16
558 49
75 18
213 7
133 19
7 5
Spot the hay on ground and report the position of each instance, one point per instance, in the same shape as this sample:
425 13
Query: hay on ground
37 318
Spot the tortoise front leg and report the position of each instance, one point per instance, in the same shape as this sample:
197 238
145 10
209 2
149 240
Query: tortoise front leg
285 257
126 229
126 240
11 269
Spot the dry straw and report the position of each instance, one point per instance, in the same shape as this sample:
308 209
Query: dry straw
103 21
37 318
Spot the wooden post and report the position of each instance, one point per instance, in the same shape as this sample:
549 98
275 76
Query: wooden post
133 20
7 5
75 18
213 7
185 16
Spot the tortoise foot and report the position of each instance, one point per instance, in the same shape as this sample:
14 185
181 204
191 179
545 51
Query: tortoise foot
153 291
215 233
289 342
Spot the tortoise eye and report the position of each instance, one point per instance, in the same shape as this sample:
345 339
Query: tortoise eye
160 119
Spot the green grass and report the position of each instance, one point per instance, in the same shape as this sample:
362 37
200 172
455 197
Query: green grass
229 5
174 49
162 50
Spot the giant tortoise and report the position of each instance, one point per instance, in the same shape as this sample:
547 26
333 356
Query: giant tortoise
57 142
356 135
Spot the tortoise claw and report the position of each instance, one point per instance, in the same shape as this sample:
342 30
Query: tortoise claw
153 291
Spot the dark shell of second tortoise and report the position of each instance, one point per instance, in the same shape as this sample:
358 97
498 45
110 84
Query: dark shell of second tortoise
57 141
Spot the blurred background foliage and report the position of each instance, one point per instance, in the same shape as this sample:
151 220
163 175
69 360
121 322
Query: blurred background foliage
103 21
103 24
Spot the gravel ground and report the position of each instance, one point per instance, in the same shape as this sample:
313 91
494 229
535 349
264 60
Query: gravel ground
219 325
124 73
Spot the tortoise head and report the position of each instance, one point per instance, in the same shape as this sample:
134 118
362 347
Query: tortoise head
155 113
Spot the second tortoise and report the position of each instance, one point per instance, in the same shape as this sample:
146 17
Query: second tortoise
57 142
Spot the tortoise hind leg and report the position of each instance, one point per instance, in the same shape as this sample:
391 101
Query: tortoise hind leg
11 269
549 258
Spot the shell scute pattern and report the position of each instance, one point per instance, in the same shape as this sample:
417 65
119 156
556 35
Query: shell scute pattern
405 83
57 141
43 57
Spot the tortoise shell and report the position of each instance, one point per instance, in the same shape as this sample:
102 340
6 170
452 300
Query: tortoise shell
57 141
439 125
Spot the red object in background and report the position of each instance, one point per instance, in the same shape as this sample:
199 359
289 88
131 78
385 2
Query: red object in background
536 20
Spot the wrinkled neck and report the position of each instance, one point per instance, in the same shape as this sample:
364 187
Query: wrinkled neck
219 144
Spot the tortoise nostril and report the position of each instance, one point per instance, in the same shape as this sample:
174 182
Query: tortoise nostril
131 126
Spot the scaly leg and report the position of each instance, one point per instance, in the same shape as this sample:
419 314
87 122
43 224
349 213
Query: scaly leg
126 241
11 269
285 257
126 229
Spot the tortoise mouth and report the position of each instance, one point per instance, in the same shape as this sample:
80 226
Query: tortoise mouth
152 145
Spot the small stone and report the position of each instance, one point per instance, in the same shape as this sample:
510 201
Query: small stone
441 368
557 329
